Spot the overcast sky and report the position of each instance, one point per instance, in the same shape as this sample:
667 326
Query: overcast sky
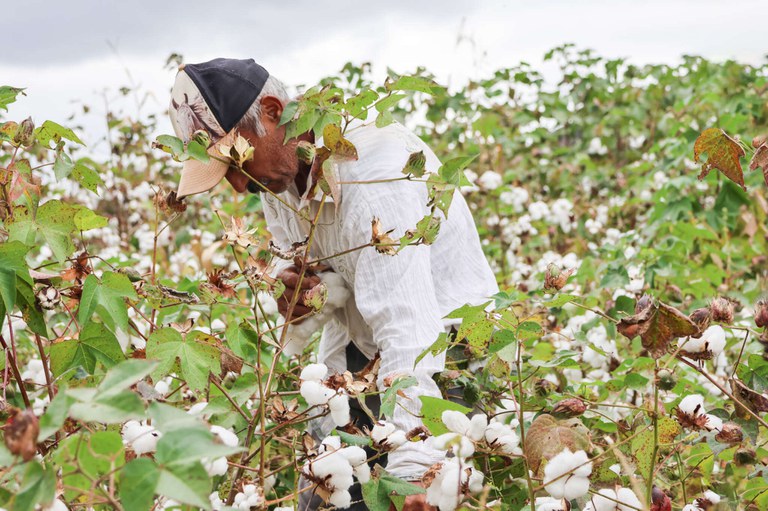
70 51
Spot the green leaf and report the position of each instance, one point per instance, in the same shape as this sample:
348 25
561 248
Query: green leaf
386 103
138 481
37 487
51 131
62 166
123 376
375 500
167 418
171 145
54 221
55 415
416 83
95 344
561 300
107 299
190 445
188 484
198 151
9 95
432 409
350 439
85 220
87 177
440 345
389 398
112 409
196 354
30 309
7 289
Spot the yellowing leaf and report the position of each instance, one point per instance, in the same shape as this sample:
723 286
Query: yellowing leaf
723 153
760 160
340 147
547 437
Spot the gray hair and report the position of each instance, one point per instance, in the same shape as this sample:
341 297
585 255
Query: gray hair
252 118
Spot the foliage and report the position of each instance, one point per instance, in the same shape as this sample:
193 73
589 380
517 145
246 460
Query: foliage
142 332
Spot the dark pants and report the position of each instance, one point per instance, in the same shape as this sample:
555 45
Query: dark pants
308 501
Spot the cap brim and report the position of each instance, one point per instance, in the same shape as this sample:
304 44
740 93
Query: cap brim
199 177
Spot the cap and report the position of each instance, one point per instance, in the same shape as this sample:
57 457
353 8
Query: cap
212 96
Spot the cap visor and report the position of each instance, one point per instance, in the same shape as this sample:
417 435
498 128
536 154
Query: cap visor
199 177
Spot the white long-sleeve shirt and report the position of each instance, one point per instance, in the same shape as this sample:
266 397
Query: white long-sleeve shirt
398 302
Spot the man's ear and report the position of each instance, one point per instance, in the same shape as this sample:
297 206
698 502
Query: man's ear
271 109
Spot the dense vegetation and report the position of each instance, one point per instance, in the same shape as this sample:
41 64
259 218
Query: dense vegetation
142 364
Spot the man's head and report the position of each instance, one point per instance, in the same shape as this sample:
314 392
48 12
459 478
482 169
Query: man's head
225 97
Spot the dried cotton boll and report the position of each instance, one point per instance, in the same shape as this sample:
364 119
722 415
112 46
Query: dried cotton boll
567 475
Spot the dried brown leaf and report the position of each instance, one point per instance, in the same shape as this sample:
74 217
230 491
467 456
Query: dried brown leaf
723 153
383 243
657 325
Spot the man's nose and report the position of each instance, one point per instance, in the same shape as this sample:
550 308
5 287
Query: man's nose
237 179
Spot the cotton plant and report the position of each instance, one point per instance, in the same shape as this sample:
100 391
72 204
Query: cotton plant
316 393
251 496
704 503
334 469
620 499
219 466
566 475
709 345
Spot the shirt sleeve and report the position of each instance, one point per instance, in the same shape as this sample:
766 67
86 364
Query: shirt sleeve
396 297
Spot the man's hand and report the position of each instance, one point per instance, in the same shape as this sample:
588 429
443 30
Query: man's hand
290 277
415 502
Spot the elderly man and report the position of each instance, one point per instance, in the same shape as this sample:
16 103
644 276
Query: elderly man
396 303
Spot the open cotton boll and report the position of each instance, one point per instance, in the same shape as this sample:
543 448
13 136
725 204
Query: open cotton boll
456 421
490 180
342 499
339 406
712 497
56 505
692 405
217 467
386 435
338 293
299 335
550 504
460 445
567 475
477 425
314 372
315 393
622 499
714 423
140 437
226 436
628 499
502 436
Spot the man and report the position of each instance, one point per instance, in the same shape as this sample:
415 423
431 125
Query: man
397 302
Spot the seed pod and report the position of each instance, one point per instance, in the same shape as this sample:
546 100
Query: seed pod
572 407
544 387
722 310
665 379
555 278
731 433
21 432
48 297
761 313
201 137
25 133
701 317
744 456
306 151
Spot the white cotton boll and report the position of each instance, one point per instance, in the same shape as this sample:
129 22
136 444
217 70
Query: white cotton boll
692 405
456 421
603 500
339 405
711 496
140 437
342 499
299 335
575 468
56 505
39 405
475 483
315 393
226 436
538 210
691 507
331 443
197 408
314 372
162 387
714 337
338 293
363 473
381 430
477 425
461 446
628 499
355 455
217 467
714 423
550 504
216 502
254 500
490 180
397 439
284 508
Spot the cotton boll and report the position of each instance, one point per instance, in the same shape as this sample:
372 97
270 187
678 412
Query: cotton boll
299 335
197 408
692 405
628 499
459 444
477 425
162 387
712 497
381 430
355 455
490 180
550 504
314 372
714 339
216 502
363 473
714 423
456 421
56 505
338 293
330 443
217 467
603 500
226 436
315 393
475 482
140 437
397 439
339 405
567 474
341 499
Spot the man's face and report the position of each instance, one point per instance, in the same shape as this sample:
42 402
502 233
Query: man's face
273 163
